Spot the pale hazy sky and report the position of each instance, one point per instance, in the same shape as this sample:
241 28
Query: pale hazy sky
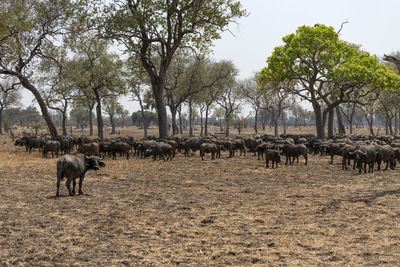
372 24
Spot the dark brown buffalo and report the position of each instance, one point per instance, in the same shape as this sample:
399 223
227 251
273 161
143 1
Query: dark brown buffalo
365 155
210 148
272 155
385 154
74 166
51 146
119 148
348 154
292 151
90 149
162 150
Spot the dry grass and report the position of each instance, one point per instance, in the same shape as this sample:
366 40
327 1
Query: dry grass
222 212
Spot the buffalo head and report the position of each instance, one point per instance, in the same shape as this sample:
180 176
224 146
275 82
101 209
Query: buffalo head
94 162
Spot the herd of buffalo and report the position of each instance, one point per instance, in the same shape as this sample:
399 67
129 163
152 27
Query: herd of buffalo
364 150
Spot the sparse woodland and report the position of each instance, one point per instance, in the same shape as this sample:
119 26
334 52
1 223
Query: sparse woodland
325 110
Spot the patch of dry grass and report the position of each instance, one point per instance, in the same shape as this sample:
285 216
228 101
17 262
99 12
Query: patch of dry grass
193 212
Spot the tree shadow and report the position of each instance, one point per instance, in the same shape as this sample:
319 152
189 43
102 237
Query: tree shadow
373 197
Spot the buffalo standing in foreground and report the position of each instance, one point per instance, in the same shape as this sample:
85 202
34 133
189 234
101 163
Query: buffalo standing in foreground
74 166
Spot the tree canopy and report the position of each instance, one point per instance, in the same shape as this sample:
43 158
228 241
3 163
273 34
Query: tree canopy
326 70
155 30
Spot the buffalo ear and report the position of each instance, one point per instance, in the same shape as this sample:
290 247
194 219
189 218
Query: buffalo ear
87 161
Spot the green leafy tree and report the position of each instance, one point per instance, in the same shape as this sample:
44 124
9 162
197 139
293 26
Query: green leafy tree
182 82
155 30
138 87
388 105
230 102
97 73
112 108
80 116
326 70
29 30
144 121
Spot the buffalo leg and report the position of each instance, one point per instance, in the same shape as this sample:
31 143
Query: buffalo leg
68 184
59 177
73 186
267 164
80 184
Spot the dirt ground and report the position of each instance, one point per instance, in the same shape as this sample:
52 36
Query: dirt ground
192 212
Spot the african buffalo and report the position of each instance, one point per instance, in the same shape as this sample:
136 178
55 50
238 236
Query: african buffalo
162 150
90 149
210 148
385 154
74 166
365 155
292 151
51 146
272 155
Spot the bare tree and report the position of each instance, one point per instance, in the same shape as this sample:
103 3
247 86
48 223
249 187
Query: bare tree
275 100
253 95
230 101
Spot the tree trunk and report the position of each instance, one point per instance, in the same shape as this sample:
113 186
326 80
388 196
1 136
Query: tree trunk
45 113
256 121
143 120
206 121
180 120
389 121
90 122
99 116
275 122
227 121
283 122
112 121
190 119
1 120
386 126
201 123
342 129
319 123
64 120
330 123
371 127
351 126
159 97
173 115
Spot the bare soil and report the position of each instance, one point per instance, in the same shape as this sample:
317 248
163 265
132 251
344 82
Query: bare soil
192 212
